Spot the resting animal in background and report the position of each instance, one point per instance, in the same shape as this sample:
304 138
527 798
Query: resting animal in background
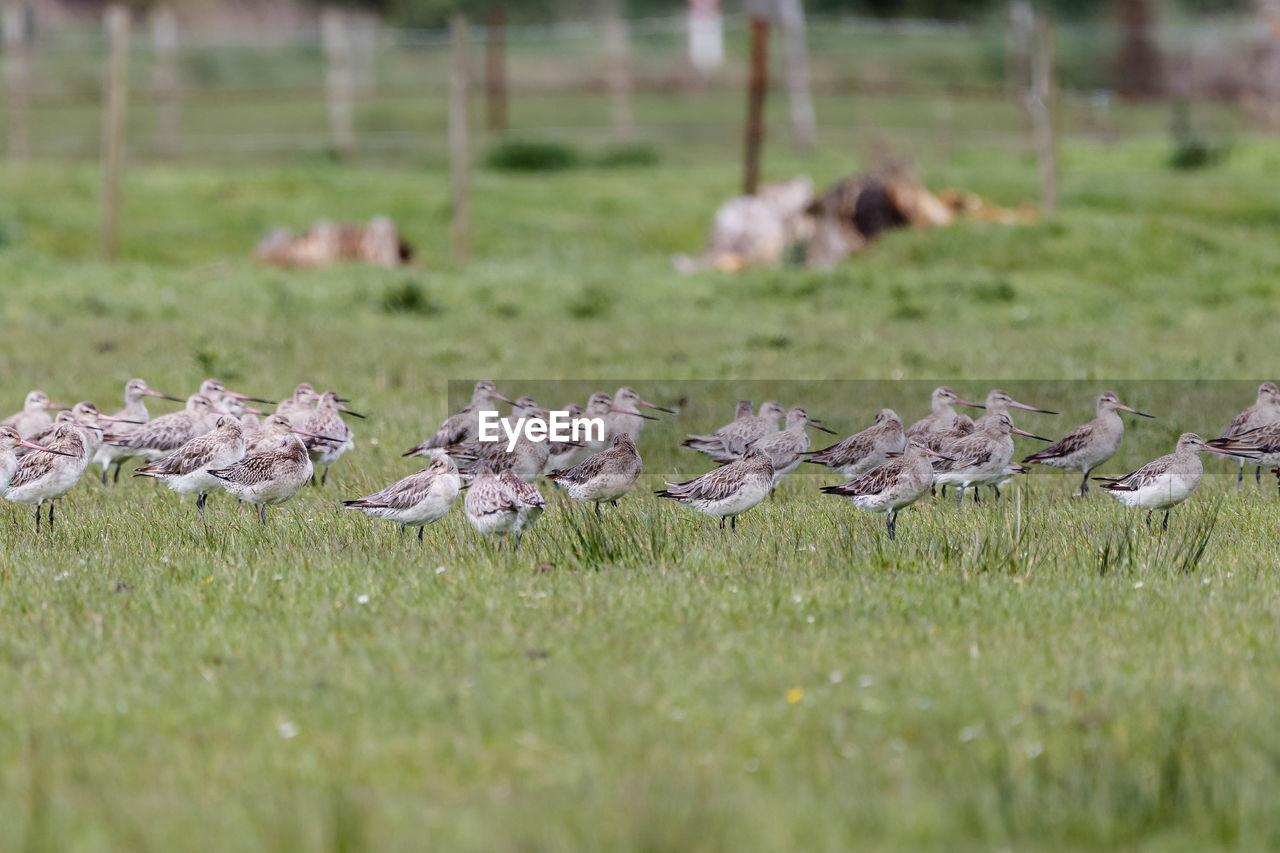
755 230
377 244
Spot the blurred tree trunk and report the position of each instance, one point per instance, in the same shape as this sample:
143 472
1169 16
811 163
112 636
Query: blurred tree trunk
804 125
1139 67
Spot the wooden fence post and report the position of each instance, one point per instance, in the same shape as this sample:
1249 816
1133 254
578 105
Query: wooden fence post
757 84
804 124
1040 107
116 20
16 79
458 136
495 70
618 72
339 79
164 78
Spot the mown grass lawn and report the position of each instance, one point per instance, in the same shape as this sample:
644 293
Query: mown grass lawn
1035 673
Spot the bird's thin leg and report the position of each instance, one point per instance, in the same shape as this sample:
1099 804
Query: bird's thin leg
613 503
324 478
1084 484
519 536
50 517
722 522
200 505
996 489
1149 518
37 518
1257 474
262 514
892 523
105 467
597 509
733 523
959 497
1240 477
944 490
115 478
976 499
772 489
401 532
420 529
1165 526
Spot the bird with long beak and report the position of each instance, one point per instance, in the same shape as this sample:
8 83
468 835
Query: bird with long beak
1089 445
275 474
34 416
625 414
10 441
463 427
979 459
218 393
942 413
1168 481
893 486
131 416
786 448
326 420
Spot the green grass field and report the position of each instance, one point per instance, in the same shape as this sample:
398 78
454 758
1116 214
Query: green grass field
1040 673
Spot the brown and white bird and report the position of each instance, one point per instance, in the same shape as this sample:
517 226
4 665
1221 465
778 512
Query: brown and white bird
1264 411
890 487
463 427
862 451
1089 445
273 475
942 413
187 470
297 406
1165 482
979 459
625 415
10 441
130 417
163 435
34 415
604 476
417 500
43 478
733 439
491 507
326 420
529 504
728 491
786 448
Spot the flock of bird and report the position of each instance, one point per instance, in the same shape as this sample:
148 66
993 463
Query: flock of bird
221 443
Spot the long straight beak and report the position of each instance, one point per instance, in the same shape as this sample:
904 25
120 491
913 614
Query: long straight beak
34 446
659 408
936 455
115 420
497 396
817 425
151 393
56 408
246 398
960 402
1125 408
1240 453
1027 408
637 414
1031 434
316 435
349 412
250 410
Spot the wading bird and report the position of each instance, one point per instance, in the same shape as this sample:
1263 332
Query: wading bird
1264 411
45 477
979 459
1089 445
734 439
786 448
625 415
1165 482
417 500
604 476
34 416
326 419
276 473
130 417
862 451
187 471
10 441
941 413
726 492
892 486
463 427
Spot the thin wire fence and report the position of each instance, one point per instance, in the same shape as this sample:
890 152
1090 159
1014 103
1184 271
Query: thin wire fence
924 88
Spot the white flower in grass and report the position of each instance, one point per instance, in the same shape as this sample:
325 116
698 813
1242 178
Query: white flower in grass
287 729
362 599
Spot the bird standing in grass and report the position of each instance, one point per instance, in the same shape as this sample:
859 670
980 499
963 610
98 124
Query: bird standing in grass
1089 445
130 418
10 441
417 500
45 477
463 427
942 413
1264 411
276 473
604 476
1165 482
862 451
490 506
529 503
728 491
786 448
187 471
163 435
625 415
890 487
979 459
326 420
733 439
